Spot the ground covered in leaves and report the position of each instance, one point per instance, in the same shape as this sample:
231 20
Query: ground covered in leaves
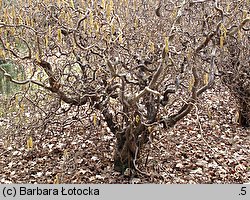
206 147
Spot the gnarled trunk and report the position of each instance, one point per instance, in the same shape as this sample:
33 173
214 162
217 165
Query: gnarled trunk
129 144
244 114
235 74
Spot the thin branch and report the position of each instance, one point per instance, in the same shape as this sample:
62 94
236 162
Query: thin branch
23 82
211 73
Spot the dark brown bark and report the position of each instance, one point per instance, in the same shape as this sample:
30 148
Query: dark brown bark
244 115
129 142
235 75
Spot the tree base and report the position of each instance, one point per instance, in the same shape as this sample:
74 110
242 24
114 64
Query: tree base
129 144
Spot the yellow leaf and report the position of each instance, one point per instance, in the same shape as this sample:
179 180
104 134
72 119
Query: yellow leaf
150 128
228 7
112 28
151 46
127 12
6 34
205 78
49 31
39 76
108 11
27 20
209 114
95 4
22 108
32 22
91 19
56 180
19 20
190 84
221 41
6 14
136 22
59 35
111 3
74 45
94 119
223 31
30 143
6 143
135 5
189 54
166 45
46 41
67 18
120 38
63 16
16 100
37 57
13 12
244 14
84 25
103 3
12 31
239 34
174 13
236 117
96 26
137 119
72 4
7 46
2 53
65 154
